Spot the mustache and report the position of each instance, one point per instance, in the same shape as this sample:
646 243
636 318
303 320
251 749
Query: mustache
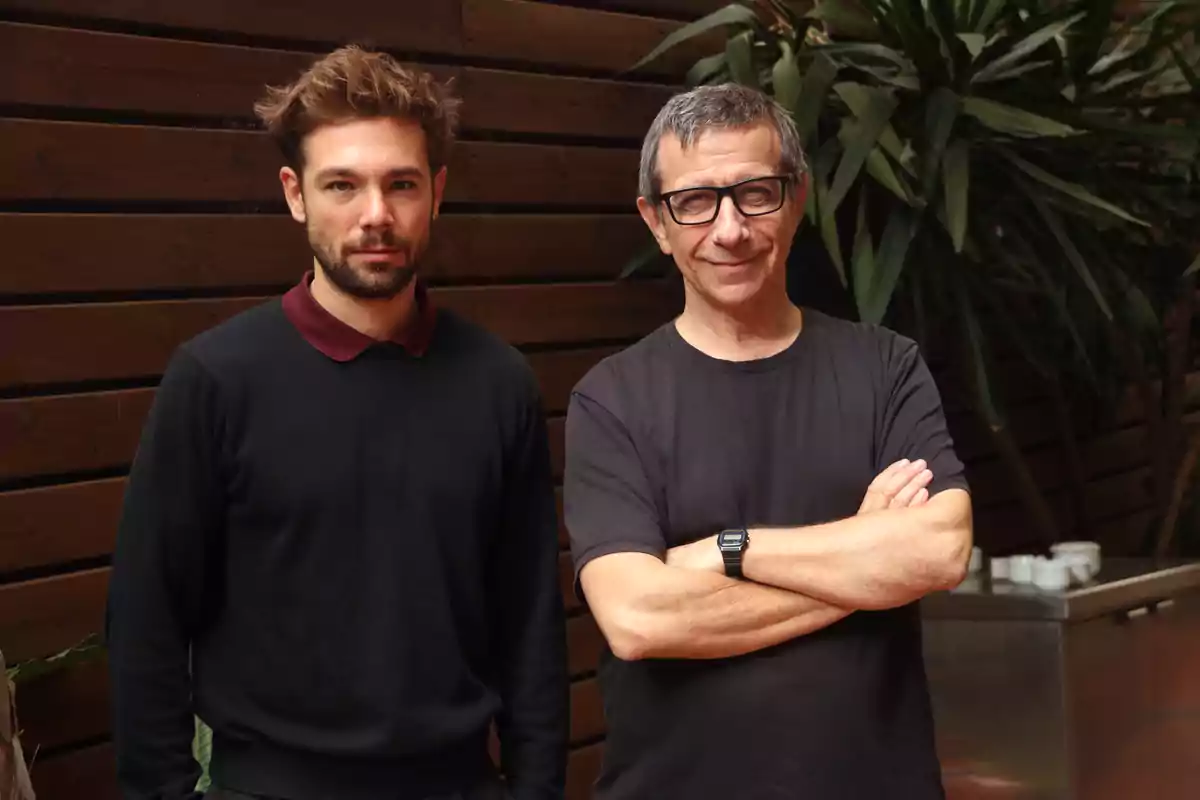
383 240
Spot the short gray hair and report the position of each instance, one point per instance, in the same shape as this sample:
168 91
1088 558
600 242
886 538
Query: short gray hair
727 105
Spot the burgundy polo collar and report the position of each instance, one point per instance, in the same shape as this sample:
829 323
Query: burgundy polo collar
339 341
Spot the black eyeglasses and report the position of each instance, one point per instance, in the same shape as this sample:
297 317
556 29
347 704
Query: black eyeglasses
698 205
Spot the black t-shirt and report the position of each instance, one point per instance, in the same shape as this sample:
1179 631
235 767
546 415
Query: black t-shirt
666 445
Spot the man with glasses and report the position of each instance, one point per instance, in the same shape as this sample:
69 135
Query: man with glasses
756 495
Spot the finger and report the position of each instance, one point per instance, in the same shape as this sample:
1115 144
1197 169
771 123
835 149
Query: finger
921 498
890 472
902 477
908 491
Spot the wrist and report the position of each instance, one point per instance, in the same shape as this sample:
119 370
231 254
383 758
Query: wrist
732 544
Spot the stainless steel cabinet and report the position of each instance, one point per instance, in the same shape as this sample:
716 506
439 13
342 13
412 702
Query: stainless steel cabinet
1088 694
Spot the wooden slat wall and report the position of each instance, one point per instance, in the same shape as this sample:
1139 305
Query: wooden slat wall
139 206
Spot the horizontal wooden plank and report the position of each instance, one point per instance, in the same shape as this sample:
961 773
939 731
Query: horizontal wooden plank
1035 424
426 27
582 768
67 68
59 524
684 9
42 617
90 773
584 644
51 160
562 35
71 433
587 711
1120 451
178 252
559 370
64 707
500 100
100 341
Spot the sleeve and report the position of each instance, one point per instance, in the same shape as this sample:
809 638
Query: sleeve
533 725
913 424
607 499
173 511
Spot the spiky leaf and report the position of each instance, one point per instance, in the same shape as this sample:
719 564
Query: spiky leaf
739 54
1072 189
732 14
956 178
1015 121
1022 49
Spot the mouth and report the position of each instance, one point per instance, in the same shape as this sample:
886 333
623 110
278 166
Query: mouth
377 254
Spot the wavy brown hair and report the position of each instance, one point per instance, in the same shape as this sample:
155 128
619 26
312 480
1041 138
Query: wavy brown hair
353 83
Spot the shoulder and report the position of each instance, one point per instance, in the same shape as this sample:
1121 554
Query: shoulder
483 353
240 342
885 352
860 338
623 373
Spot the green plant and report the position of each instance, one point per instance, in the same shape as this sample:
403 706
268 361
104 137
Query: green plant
1001 179
89 649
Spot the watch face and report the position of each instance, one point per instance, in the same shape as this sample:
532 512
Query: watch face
730 539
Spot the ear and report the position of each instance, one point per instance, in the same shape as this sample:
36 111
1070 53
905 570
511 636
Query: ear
439 190
652 216
293 192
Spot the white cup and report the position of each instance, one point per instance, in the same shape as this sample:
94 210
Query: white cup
1079 567
1090 549
1051 574
999 569
976 562
1020 569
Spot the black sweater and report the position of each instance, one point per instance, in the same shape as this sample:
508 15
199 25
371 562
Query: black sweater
347 569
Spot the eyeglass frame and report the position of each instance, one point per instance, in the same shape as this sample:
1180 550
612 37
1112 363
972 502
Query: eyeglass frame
723 191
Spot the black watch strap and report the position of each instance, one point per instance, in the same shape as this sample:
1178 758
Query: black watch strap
733 563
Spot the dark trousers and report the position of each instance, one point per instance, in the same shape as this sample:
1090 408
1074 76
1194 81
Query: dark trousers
491 789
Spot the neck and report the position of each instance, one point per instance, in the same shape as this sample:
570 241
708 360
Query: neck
377 318
759 328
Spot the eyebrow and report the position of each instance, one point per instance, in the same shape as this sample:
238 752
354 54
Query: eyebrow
344 172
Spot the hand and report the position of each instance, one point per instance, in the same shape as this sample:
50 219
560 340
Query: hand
701 555
901 485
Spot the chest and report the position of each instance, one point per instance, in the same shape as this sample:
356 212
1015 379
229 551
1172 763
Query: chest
383 460
760 449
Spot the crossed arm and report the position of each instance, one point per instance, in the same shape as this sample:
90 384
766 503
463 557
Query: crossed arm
901 545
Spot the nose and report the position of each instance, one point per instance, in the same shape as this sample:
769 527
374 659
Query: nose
376 213
729 228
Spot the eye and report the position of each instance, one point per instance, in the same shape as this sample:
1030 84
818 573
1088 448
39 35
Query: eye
404 185
339 186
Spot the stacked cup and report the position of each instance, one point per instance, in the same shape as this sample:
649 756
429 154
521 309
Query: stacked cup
1070 564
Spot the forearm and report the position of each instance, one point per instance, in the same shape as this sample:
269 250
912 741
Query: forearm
870 561
684 613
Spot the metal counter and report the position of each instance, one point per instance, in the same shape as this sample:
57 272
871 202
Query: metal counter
1092 693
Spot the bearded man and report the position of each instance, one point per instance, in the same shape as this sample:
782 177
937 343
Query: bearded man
338 546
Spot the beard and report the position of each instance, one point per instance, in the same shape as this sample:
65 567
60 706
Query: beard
370 281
